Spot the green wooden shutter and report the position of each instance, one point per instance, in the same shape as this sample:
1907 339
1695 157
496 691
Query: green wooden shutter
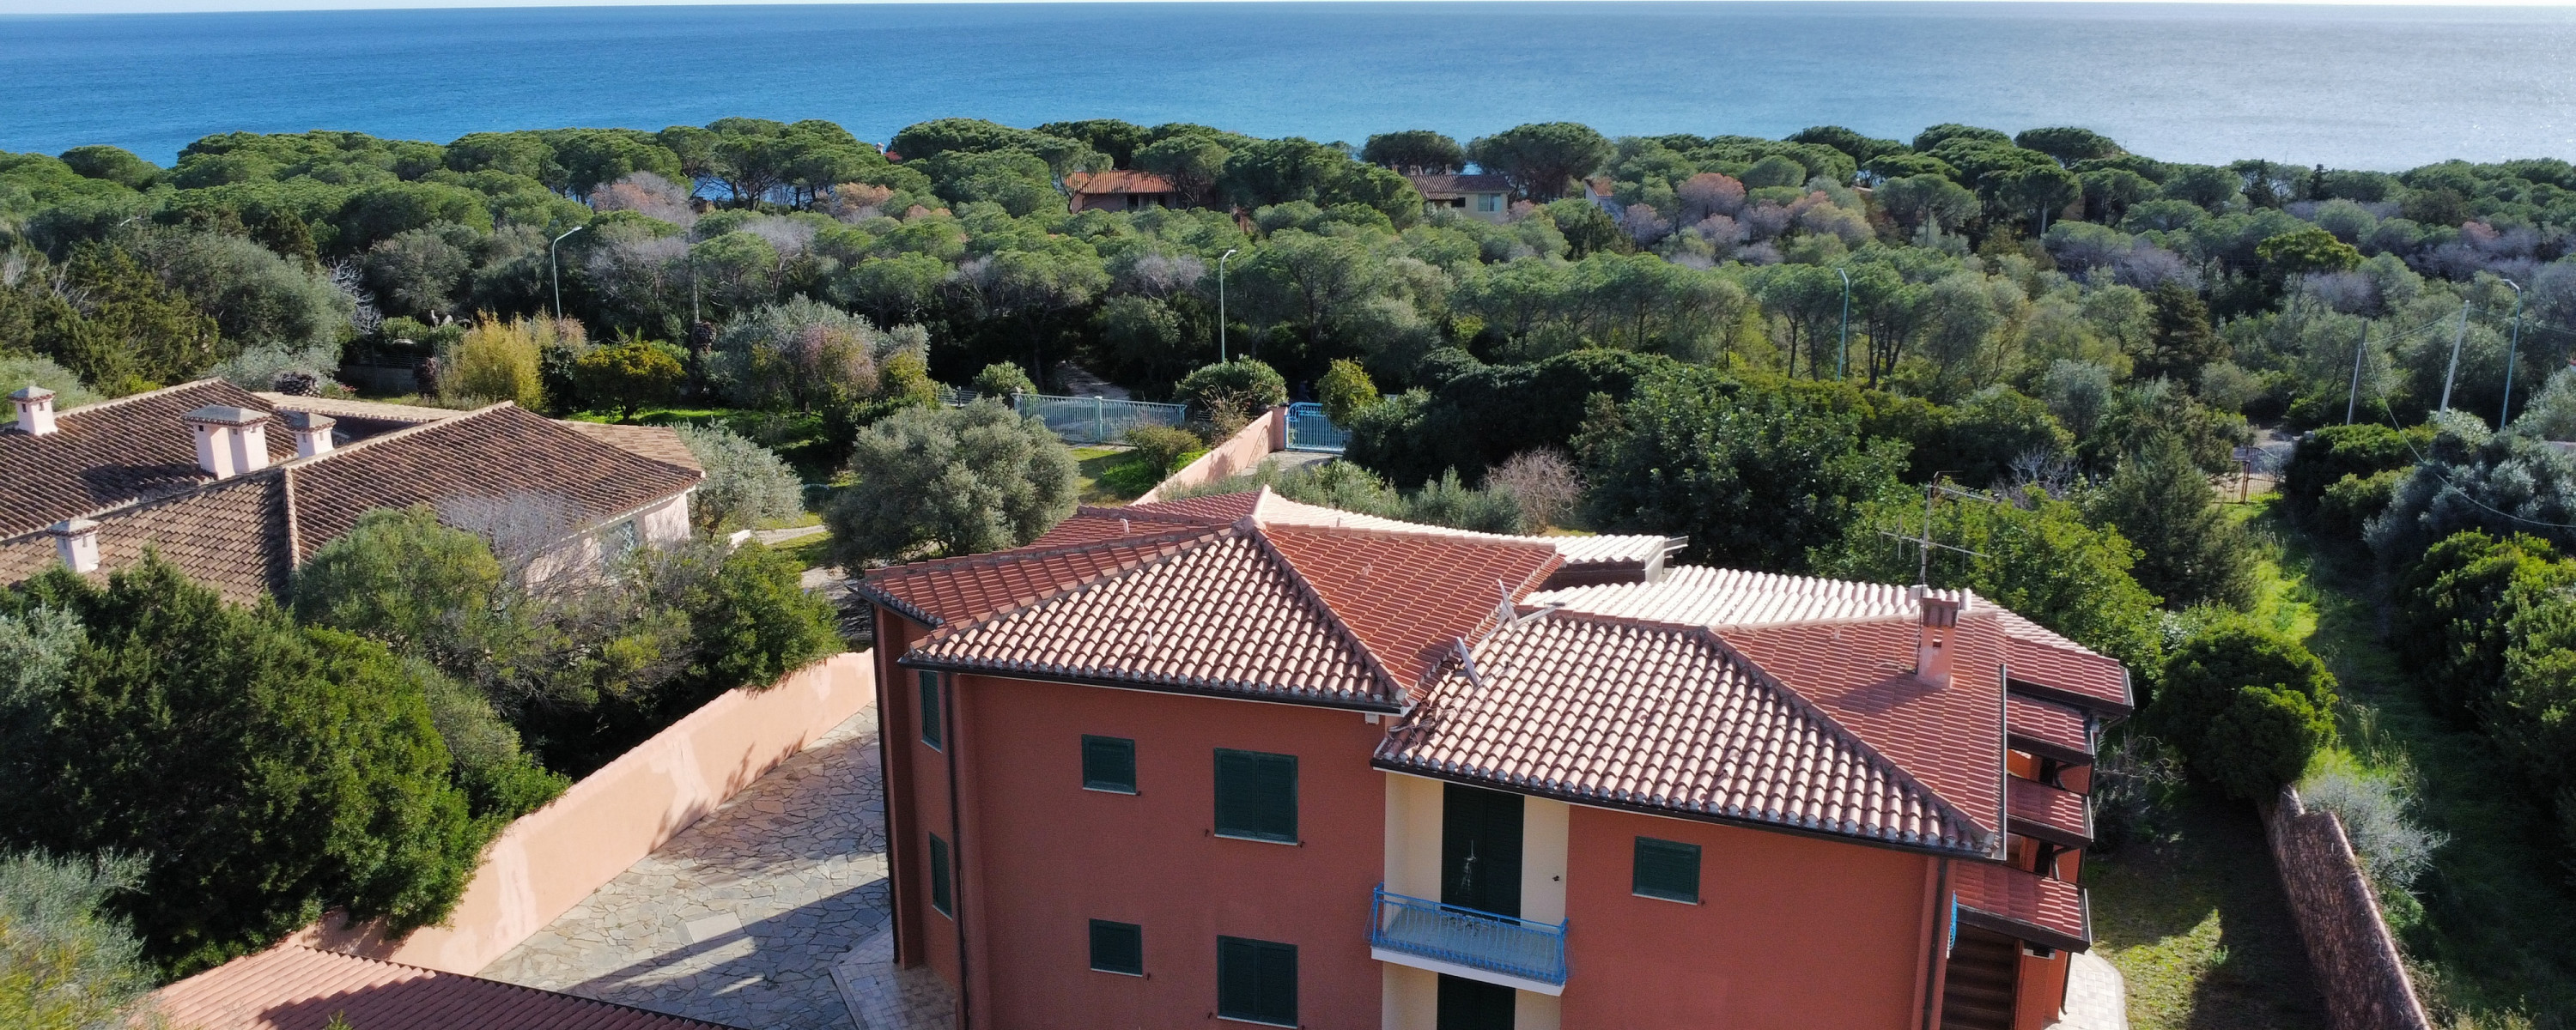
1667 869
1256 980
1109 763
939 877
1117 947
1256 795
933 720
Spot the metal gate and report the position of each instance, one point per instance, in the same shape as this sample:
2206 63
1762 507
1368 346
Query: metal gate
1309 430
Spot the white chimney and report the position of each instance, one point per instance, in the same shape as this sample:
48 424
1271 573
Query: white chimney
35 409
312 432
76 542
1940 624
230 441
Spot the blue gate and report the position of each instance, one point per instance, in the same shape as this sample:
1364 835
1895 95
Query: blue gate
1309 430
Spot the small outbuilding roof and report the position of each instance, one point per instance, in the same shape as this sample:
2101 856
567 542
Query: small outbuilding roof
290 987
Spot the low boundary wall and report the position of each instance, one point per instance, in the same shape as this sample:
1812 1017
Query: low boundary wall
552 858
1259 439
2348 943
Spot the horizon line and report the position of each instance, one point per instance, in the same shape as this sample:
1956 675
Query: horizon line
87 8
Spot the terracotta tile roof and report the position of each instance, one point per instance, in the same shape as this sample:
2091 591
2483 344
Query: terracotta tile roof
296 988
1223 614
963 589
1663 719
2046 729
491 453
2057 816
231 536
659 443
344 407
1116 180
2034 908
105 454
1409 596
1434 187
1950 737
2069 674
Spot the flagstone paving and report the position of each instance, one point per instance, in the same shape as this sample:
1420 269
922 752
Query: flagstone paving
739 919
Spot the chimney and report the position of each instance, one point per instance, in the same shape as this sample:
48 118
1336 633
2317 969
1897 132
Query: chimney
1939 623
230 441
312 432
35 409
76 542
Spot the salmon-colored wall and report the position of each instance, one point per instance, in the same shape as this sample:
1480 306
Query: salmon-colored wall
917 778
1046 856
549 860
1238 454
2042 993
1789 931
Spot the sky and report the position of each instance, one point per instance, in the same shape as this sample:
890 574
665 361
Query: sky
58 7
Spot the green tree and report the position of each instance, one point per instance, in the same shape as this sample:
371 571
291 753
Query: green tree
271 771
2304 251
2180 341
1346 391
1245 386
629 374
2068 144
66 961
2245 703
1541 160
1692 448
2190 551
1415 152
2454 610
1002 380
946 481
114 164
747 485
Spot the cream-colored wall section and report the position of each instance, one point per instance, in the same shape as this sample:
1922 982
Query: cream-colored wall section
1413 837
1412 998
667 522
1534 1011
1543 860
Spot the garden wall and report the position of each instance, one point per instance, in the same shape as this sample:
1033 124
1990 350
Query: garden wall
2355 959
552 858
1239 454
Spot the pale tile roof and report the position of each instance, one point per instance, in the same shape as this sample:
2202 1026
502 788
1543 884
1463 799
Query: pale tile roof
1666 719
297 988
1270 509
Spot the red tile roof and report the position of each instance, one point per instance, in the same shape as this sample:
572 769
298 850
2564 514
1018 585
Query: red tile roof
2069 674
297 988
2046 729
1117 180
2027 906
1950 736
1408 596
935 593
105 454
2048 813
1662 719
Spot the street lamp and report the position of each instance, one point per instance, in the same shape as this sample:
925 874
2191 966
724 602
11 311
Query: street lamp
1220 304
2510 351
1842 345
556 274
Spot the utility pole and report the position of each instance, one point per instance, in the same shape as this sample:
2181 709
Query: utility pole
1220 304
1842 348
2353 399
2505 415
556 274
2456 341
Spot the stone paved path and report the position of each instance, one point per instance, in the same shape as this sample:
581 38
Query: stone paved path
739 919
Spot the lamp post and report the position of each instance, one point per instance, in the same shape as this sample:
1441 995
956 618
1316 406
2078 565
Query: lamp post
1842 345
1220 303
2454 373
555 273
2504 414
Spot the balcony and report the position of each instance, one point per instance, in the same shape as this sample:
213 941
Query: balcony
1519 953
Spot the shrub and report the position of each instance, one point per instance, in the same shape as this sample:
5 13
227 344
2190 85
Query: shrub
501 361
2189 550
1249 386
66 961
20 370
2475 479
747 485
629 374
2454 610
1544 483
1161 447
2326 456
942 481
2394 851
1002 380
2351 502
2261 740
1346 391
2244 703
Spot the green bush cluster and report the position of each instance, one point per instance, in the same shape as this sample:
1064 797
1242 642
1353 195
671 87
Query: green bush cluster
2246 705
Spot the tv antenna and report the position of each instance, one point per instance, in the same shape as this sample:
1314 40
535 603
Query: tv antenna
1924 545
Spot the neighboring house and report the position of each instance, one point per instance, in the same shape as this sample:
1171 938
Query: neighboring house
1119 190
1598 190
1242 757
237 488
1486 197
289 987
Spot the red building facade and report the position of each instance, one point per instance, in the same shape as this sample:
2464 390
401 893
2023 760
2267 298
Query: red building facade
1239 759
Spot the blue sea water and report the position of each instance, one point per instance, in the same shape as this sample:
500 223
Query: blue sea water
2362 87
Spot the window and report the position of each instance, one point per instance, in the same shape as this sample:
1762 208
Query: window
1668 870
1256 981
1109 763
939 889
933 719
1256 795
1117 947
1489 202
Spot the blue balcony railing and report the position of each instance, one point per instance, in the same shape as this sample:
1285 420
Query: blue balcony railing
1469 937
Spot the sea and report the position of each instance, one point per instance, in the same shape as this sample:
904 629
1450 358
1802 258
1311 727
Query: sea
2371 87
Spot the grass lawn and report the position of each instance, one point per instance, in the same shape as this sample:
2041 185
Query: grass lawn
1111 475
2491 947
808 551
2193 918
